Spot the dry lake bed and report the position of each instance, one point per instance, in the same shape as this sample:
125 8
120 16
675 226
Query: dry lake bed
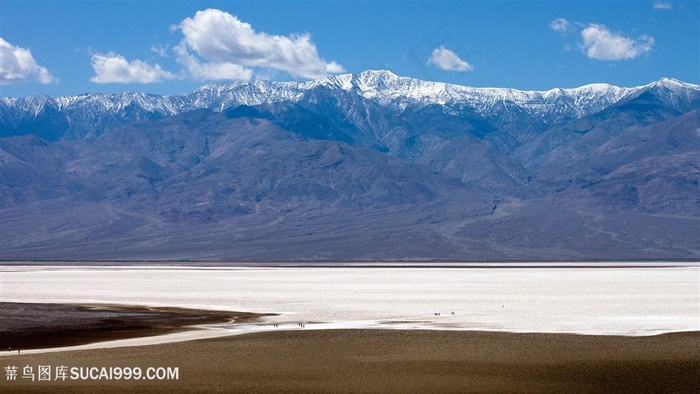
602 327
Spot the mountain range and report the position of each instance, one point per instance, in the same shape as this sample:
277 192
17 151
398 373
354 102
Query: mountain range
367 166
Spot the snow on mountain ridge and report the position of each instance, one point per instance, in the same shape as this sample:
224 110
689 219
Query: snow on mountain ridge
220 96
392 90
381 86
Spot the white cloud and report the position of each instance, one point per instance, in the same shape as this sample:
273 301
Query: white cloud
215 71
113 68
160 50
602 44
18 65
560 25
217 45
659 5
447 60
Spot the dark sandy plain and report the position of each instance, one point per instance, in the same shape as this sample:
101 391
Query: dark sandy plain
342 361
37 326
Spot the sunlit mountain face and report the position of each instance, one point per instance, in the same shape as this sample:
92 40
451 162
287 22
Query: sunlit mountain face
357 166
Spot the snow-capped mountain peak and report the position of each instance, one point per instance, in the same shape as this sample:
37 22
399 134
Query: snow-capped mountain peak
89 114
674 83
390 89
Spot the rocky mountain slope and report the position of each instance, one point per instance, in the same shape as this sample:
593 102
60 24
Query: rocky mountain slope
354 167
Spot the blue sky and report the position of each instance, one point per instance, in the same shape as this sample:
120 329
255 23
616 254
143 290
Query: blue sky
172 47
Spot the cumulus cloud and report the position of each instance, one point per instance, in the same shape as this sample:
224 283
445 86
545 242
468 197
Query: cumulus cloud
560 25
447 60
660 5
602 44
217 45
598 42
211 70
18 65
113 68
